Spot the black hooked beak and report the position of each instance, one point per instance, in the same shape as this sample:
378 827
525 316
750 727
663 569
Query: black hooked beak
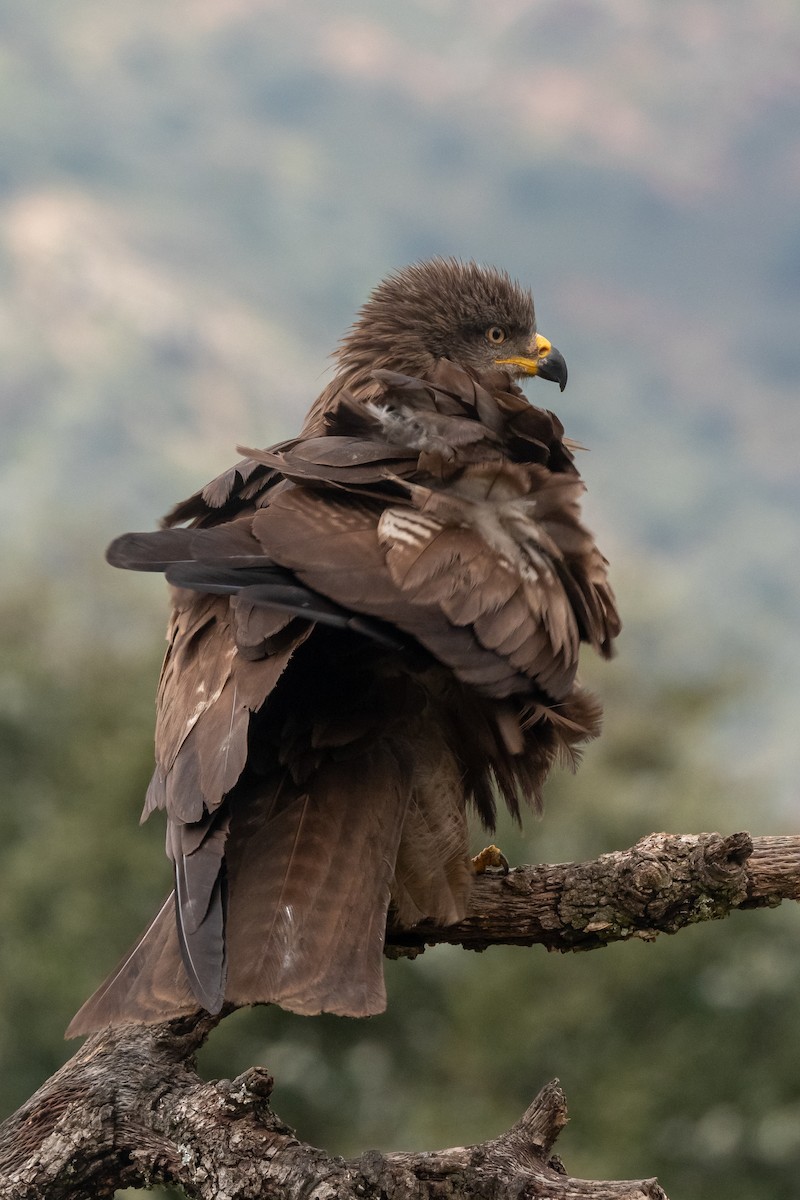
553 366
544 360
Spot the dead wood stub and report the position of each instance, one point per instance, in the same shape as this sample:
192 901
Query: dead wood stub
129 1110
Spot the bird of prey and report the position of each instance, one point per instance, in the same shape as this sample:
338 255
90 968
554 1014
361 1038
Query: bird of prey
375 628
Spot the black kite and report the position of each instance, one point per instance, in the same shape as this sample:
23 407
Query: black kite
375 626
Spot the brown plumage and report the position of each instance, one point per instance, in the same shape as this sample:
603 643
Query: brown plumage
375 626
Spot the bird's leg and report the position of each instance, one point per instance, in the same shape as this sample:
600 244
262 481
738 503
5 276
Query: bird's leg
491 858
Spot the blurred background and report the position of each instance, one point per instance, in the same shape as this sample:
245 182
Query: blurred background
194 198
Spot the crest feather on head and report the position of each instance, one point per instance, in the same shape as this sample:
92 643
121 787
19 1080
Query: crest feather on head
433 310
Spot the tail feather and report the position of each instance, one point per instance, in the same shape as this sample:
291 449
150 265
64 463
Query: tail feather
149 985
310 879
308 873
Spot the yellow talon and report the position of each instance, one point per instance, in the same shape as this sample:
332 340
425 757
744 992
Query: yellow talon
489 859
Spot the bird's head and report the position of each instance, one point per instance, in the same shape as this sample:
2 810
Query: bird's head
476 316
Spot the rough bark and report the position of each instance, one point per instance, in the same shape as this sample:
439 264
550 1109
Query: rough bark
663 883
130 1110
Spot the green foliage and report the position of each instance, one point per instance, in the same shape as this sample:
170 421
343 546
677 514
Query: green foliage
75 737
677 1058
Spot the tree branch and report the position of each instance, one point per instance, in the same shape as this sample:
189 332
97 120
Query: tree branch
129 1110
660 885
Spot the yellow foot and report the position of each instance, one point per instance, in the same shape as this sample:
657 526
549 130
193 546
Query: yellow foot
490 859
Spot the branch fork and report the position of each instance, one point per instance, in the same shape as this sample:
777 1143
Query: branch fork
129 1110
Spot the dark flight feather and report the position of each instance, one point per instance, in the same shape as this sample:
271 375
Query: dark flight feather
376 625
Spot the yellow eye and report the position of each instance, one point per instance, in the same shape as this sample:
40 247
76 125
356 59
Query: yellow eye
495 334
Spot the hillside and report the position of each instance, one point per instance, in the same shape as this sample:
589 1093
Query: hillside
195 197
